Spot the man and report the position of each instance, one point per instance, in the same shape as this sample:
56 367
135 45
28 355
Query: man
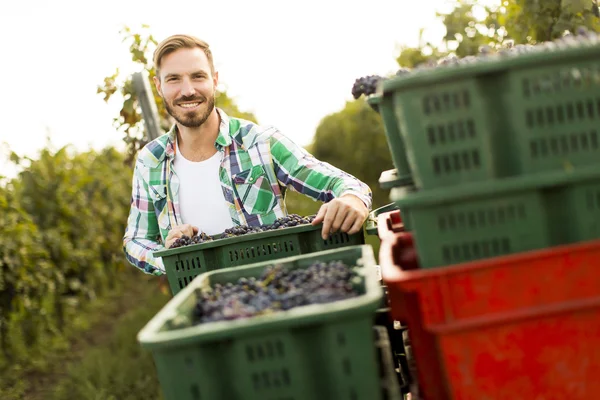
211 171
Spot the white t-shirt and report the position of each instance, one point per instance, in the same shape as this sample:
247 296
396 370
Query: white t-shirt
201 200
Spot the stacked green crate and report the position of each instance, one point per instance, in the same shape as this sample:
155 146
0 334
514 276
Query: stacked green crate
183 264
503 151
400 177
312 352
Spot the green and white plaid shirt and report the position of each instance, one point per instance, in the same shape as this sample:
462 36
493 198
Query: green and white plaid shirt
258 165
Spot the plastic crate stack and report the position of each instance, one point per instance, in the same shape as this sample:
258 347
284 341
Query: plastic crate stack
316 351
399 179
498 277
336 349
183 264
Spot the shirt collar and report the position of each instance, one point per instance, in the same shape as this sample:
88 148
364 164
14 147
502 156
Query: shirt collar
224 137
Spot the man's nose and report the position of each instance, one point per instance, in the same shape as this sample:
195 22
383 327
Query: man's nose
187 88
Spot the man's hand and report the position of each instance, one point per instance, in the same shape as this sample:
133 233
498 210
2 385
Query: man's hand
178 231
346 213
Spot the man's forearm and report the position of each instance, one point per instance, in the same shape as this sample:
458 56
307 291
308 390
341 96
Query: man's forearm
302 172
139 252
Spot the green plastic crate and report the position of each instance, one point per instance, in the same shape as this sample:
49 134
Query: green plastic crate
385 107
315 352
183 264
371 223
501 117
490 219
389 179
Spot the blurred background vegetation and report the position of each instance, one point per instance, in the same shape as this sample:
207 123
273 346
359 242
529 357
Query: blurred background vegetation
70 306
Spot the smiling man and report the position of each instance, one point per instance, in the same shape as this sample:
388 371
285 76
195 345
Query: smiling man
212 171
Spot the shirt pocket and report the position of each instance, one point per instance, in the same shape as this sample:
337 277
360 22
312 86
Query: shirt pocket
161 209
254 190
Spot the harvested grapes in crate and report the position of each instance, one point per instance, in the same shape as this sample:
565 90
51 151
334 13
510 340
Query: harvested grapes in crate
277 289
284 222
286 236
264 330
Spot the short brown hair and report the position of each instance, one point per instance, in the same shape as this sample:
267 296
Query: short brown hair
176 42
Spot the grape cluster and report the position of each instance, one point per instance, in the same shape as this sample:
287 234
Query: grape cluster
185 240
277 289
582 37
280 223
366 85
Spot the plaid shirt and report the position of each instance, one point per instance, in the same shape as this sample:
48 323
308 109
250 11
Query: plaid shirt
258 164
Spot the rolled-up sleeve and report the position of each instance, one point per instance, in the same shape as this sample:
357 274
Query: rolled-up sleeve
299 170
142 231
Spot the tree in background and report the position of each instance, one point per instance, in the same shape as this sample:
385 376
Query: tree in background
353 140
130 120
470 25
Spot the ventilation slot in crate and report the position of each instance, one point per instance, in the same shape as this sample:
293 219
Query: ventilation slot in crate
337 238
185 280
450 133
346 365
564 144
561 80
446 102
482 218
260 250
188 264
565 112
476 250
269 373
455 162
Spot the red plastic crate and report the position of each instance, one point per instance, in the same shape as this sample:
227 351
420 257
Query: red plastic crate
525 326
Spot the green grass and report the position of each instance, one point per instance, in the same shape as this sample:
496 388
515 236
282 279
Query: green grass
97 356
118 369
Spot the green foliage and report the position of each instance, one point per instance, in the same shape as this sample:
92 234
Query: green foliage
130 121
470 26
118 368
61 224
25 274
354 140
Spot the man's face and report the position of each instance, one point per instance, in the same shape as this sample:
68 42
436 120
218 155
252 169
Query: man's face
187 86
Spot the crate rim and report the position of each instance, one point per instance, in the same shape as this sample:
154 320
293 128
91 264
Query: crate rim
390 179
394 274
502 186
152 337
488 65
238 239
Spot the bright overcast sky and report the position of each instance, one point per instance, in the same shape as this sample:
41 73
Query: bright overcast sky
289 63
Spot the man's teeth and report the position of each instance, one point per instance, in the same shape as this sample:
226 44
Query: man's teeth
189 105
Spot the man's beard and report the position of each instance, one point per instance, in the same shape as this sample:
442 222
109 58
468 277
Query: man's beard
191 119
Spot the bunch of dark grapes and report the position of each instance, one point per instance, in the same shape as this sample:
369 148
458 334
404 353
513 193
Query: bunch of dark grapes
277 289
366 85
582 37
241 230
186 240
288 222
280 223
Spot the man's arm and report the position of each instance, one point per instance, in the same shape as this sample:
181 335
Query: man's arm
142 230
348 200
301 171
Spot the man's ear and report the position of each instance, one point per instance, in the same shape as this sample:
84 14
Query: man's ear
216 79
157 83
